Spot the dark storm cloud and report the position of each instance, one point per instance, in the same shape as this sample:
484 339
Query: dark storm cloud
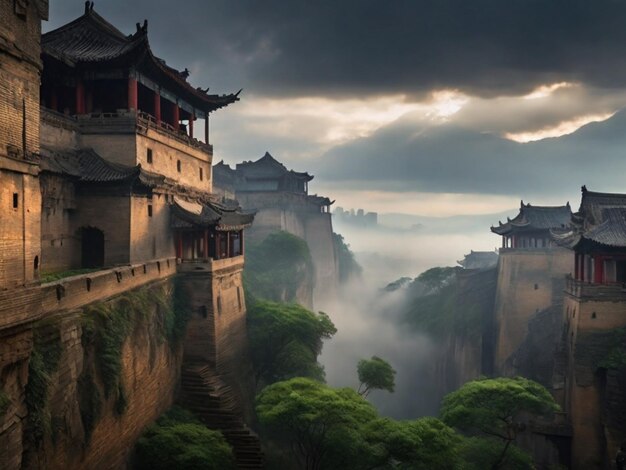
488 47
405 156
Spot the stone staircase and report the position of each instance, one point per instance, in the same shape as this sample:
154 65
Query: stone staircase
205 394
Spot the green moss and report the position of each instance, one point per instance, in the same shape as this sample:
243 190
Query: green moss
51 277
348 267
90 403
44 361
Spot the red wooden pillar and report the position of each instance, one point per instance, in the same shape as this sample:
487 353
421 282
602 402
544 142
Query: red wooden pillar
80 97
206 129
176 117
132 93
191 118
157 107
228 244
206 243
217 245
576 266
598 269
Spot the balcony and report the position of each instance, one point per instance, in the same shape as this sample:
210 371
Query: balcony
209 265
597 292
121 122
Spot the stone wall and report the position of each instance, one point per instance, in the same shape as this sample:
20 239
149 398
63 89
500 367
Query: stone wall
529 281
150 235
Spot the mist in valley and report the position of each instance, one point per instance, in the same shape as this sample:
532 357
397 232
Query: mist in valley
368 318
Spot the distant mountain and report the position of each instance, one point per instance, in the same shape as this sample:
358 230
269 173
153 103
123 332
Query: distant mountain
447 158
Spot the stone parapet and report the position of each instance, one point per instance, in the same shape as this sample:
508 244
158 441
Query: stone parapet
206 266
26 305
597 292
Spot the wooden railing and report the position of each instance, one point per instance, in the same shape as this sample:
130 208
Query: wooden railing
584 289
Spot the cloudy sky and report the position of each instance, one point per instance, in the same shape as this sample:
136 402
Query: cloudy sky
433 107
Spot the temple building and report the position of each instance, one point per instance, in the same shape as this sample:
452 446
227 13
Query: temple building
281 200
594 316
479 260
531 227
124 177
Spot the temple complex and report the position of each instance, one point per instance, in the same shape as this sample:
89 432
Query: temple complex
107 188
123 177
281 201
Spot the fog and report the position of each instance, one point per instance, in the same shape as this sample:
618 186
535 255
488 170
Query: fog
366 317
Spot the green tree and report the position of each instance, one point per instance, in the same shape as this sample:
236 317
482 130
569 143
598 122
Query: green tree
285 340
494 408
277 267
422 444
179 440
348 267
375 374
322 426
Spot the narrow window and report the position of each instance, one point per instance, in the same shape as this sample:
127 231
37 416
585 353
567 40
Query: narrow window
149 210
149 155
178 165
201 175
15 200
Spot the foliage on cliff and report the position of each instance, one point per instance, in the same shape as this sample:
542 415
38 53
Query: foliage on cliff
44 362
277 268
347 265
180 440
285 340
440 302
337 428
106 328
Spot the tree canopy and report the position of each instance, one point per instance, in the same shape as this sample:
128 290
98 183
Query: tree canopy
338 429
285 340
179 440
347 264
277 267
375 374
494 407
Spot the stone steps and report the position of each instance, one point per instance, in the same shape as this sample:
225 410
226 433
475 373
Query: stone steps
207 396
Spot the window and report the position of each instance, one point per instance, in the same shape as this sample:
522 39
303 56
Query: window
201 175
149 155
178 165
149 210
15 200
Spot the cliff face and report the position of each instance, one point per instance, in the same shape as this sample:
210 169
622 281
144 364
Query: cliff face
81 386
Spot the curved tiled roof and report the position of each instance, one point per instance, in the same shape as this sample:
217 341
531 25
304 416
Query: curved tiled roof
601 220
268 167
536 218
87 166
91 40
206 214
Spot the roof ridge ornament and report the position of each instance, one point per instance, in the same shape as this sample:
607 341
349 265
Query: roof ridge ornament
583 189
88 7
142 28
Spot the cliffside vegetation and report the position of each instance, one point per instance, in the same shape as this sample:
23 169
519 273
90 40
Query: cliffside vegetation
106 327
277 268
285 340
44 361
348 267
179 440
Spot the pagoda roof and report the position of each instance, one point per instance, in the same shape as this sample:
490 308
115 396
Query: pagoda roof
320 200
85 165
532 218
479 260
267 167
205 214
91 41
601 220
